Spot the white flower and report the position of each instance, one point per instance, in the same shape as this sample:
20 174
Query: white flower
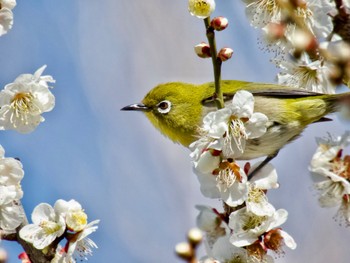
229 182
264 179
76 218
61 256
224 252
306 74
332 173
11 170
80 245
248 227
316 16
201 8
244 124
47 226
230 127
11 215
6 15
11 173
23 101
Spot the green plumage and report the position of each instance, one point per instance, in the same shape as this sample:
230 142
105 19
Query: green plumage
177 109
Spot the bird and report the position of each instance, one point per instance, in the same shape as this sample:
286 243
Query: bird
176 109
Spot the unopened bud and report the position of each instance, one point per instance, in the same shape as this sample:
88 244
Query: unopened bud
303 41
3 255
195 236
202 50
225 53
219 23
184 250
274 31
201 8
24 257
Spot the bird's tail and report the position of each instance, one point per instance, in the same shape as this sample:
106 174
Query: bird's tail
339 103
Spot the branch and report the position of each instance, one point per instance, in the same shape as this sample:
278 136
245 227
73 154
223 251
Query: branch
219 99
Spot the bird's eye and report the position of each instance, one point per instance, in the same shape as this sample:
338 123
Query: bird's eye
164 106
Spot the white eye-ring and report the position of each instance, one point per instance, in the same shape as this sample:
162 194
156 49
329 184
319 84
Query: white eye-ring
164 106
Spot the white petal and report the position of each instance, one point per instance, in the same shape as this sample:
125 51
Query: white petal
256 126
242 104
236 194
43 212
278 219
207 163
266 178
288 240
208 185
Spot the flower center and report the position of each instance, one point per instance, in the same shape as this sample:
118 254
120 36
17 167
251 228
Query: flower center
256 195
236 259
77 220
252 221
342 166
23 103
49 227
228 174
202 7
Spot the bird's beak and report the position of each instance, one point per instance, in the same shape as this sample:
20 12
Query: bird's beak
137 107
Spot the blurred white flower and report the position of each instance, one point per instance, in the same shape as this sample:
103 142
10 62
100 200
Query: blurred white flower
262 12
211 224
315 14
11 215
23 101
249 227
6 15
47 225
11 173
305 74
332 171
201 8
11 170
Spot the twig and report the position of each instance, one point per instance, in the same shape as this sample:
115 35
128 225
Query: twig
219 99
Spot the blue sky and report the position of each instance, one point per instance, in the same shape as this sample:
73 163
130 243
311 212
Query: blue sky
105 55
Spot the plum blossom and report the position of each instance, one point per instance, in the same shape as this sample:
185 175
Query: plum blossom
47 225
250 228
305 73
11 174
6 15
332 172
23 101
201 8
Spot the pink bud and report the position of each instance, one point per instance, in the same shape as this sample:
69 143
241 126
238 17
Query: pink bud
274 31
225 53
202 50
219 23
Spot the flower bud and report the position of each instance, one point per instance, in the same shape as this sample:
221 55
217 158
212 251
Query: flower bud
201 8
202 50
195 236
274 31
225 53
184 250
303 41
219 23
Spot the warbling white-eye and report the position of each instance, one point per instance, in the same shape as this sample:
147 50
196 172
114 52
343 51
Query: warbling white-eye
177 109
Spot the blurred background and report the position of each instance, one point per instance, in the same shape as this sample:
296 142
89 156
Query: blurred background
105 55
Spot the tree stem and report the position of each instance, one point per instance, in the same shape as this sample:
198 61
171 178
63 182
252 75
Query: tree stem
219 99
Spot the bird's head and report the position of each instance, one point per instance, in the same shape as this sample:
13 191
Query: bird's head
175 109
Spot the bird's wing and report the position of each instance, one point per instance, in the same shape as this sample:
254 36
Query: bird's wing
266 90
